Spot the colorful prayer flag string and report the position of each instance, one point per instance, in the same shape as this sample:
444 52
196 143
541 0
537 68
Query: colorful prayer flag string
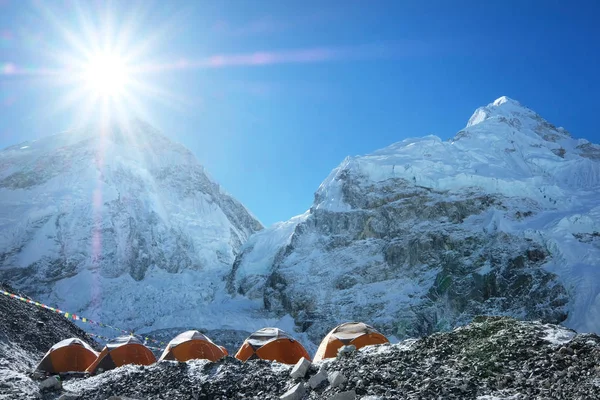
76 317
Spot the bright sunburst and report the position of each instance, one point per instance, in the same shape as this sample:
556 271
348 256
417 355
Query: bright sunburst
106 63
106 75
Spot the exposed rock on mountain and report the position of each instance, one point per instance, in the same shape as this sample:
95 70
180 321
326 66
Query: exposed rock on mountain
423 235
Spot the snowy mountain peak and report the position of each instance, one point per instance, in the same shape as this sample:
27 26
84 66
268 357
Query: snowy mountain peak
505 147
504 99
120 209
415 237
502 108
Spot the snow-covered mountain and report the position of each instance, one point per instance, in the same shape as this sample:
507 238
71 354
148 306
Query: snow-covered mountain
119 224
420 236
124 226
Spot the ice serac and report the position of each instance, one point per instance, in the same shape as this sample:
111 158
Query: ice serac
424 234
117 223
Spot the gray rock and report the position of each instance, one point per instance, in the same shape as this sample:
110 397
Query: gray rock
69 396
52 383
317 379
336 379
346 350
347 395
566 350
300 369
295 393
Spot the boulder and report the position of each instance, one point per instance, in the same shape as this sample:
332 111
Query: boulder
300 369
52 383
295 393
336 379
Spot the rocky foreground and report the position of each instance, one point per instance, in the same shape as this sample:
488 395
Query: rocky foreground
491 358
26 334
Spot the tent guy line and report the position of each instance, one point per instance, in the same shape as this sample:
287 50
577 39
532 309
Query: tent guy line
76 317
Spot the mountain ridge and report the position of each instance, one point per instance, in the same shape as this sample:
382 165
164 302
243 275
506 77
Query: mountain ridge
416 237
428 233
108 211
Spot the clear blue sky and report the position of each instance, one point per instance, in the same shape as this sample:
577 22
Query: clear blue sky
333 78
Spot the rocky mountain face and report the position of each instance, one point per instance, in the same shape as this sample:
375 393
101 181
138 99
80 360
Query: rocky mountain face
425 234
117 223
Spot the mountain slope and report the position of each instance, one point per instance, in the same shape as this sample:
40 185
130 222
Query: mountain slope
118 224
425 234
26 333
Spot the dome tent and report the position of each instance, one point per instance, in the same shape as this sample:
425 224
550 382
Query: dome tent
349 333
69 355
120 351
272 344
192 345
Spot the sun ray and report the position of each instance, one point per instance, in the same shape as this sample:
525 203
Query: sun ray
156 93
73 40
110 63
162 33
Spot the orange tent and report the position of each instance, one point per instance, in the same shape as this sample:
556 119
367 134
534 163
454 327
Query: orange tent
69 355
272 344
122 351
191 345
350 333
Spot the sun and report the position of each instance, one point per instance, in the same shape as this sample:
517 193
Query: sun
108 63
106 75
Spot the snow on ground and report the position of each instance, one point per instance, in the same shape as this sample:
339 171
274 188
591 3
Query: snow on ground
558 335
499 396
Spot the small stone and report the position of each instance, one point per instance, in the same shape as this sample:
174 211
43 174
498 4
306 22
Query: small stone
69 396
317 379
52 383
346 350
566 350
295 393
38 375
347 395
300 369
336 379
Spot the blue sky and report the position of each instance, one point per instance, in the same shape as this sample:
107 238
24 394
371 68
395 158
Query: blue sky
331 78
